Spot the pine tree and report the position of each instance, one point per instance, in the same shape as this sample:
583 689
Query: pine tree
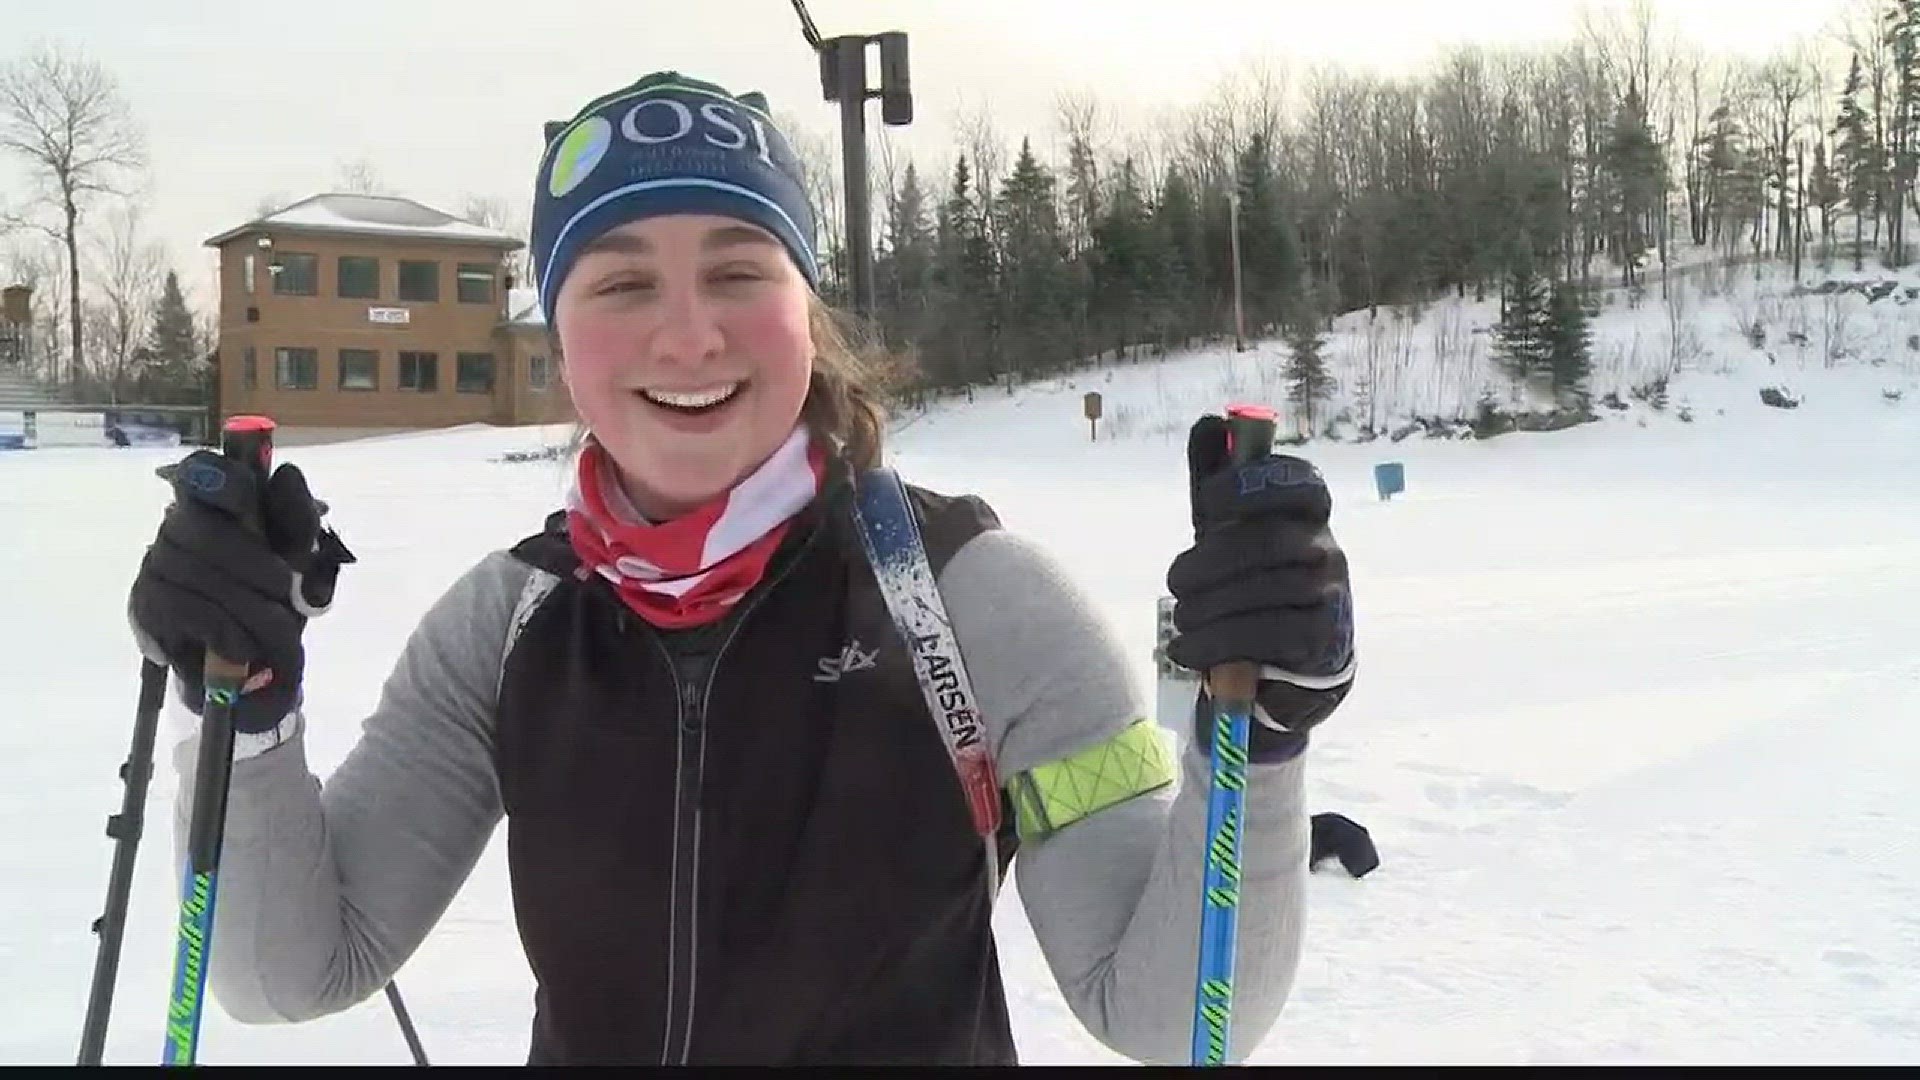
1901 154
1824 192
1567 345
171 368
1123 258
1083 193
964 271
1522 341
1269 255
904 269
1856 161
1309 383
1181 237
1730 176
1033 279
909 240
1636 168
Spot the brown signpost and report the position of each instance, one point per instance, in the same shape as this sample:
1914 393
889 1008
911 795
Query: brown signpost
1093 413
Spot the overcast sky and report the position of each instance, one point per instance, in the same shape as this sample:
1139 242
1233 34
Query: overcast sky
447 97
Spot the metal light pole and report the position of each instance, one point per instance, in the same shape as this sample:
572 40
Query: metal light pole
1239 316
843 79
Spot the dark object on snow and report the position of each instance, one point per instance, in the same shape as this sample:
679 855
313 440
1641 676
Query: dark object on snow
1341 837
1778 398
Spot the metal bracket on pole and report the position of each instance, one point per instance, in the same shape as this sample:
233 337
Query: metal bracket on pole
843 80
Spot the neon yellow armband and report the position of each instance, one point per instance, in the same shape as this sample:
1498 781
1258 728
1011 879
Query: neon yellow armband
1050 797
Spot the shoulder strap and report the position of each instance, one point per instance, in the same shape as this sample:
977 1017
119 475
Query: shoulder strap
890 535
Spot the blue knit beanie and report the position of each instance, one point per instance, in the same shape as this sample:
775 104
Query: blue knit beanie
665 145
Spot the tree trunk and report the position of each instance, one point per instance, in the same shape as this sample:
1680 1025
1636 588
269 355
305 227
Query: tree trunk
1799 208
72 238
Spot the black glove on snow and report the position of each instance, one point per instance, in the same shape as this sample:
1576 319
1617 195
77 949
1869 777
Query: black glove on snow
210 580
1264 581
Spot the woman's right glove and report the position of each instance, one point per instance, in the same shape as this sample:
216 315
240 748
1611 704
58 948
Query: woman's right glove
211 581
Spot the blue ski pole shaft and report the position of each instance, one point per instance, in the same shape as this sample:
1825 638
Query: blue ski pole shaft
1231 688
248 439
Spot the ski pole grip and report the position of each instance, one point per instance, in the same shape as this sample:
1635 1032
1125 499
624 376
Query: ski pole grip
247 439
1250 430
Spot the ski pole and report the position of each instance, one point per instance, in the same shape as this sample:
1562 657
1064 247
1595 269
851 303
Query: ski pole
248 439
406 1024
1231 687
125 829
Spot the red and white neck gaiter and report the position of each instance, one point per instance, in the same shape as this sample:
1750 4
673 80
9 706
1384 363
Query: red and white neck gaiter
690 571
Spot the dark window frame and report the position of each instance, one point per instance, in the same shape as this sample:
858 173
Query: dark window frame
429 296
461 383
340 277
465 274
282 279
284 355
358 354
410 365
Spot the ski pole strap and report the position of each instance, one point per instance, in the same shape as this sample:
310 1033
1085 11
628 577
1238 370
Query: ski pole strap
890 533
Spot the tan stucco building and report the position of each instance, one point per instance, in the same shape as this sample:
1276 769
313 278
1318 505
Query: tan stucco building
348 315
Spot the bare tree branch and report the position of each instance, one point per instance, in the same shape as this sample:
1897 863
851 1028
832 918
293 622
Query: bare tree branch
62 115
986 147
508 216
128 269
360 177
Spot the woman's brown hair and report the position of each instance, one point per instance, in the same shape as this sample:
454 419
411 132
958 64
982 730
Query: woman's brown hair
852 376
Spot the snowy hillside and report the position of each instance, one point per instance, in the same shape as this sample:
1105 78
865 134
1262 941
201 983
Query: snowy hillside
1715 336
1634 727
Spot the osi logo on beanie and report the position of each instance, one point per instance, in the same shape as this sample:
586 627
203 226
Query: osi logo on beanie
666 145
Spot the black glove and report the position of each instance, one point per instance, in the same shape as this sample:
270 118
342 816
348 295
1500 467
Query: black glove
1265 582
212 581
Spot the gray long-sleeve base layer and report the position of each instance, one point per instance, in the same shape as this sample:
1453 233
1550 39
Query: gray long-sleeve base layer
326 891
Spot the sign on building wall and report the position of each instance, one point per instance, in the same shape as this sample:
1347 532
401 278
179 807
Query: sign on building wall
393 316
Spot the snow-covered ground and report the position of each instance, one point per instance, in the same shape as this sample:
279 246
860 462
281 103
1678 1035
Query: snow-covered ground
1635 729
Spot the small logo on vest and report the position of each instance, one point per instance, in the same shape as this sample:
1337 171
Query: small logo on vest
852 658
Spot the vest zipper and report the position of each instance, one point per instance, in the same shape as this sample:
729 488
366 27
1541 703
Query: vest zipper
690 755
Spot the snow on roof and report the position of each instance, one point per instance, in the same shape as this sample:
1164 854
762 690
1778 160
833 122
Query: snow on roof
523 308
372 214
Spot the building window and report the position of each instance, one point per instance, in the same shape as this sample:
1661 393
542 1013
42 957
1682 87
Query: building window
539 374
295 274
359 369
419 371
419 280
473 373
359 277
250 369
475 283
296 369
247 270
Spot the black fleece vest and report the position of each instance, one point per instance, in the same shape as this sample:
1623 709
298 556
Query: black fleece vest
745 844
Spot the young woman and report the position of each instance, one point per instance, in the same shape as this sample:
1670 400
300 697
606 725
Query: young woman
735 833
